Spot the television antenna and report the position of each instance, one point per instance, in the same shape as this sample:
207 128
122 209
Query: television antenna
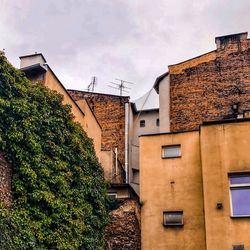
120 86
93 83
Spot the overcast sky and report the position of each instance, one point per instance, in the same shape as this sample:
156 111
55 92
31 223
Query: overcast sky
134 40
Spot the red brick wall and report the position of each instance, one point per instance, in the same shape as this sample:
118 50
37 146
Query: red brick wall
110 112
5 181
205 88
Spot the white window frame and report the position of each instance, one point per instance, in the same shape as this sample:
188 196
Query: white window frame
237 186
164 147
111 194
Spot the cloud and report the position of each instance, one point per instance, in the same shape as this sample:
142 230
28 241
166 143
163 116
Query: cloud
132 40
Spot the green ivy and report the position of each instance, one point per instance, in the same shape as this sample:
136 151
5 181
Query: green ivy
58 186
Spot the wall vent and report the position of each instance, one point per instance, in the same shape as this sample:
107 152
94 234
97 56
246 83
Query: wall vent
238 247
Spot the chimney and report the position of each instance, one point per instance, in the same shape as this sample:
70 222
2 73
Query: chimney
30 60
222 41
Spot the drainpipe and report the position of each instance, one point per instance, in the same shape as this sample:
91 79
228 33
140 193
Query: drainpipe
116 162
126 140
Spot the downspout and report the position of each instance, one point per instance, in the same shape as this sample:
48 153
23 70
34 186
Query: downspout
116 162
126 141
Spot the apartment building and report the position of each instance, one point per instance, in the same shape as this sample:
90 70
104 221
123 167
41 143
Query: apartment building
195 174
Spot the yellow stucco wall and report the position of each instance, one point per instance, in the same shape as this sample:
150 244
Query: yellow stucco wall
224 148
85 118
91 125
200 180
158 194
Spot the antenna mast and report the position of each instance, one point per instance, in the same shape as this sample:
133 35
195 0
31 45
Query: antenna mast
120 86
93 83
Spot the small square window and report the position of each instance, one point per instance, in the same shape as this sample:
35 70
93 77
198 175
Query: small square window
173 218
136 174
142 123
112 195
238 247
158 122
171 151
246 114
240 195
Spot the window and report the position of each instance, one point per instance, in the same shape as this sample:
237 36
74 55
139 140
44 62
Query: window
171 151
173 218
112 195
142 123
158 122
238 247
136 174
240 195
246 114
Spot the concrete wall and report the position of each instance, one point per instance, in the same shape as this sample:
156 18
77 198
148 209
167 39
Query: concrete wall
31 60
194 183
150 118
205 88
164 102
224 149
171 184
113 170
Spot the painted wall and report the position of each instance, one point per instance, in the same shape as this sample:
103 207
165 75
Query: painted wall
194 183
224 149
93 130
91 126
164 101
150 118
171 184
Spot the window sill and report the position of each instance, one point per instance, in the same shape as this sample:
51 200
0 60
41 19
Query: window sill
173 157
174 225
240 216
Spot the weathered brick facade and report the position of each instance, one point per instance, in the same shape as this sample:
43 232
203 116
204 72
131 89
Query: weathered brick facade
110 112
206 87
123 231
5 181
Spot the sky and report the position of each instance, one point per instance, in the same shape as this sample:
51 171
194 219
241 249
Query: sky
133 40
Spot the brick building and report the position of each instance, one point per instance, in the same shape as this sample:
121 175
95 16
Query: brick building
213 86
110 112
195 173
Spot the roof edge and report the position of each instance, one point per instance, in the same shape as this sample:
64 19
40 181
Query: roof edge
35 54
158 80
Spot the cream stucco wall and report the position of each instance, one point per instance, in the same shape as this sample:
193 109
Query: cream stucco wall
91 125
195 183
82 114
150 118
171 184
164 100
224 149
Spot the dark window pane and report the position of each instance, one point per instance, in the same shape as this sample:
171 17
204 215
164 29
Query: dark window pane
142 123
241 201
173 218
240 179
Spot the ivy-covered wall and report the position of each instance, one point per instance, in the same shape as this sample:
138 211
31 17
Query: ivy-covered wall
5 181
58 186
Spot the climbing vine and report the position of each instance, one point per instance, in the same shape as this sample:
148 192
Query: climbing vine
58 185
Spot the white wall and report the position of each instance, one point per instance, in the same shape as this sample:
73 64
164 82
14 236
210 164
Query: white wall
164 101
